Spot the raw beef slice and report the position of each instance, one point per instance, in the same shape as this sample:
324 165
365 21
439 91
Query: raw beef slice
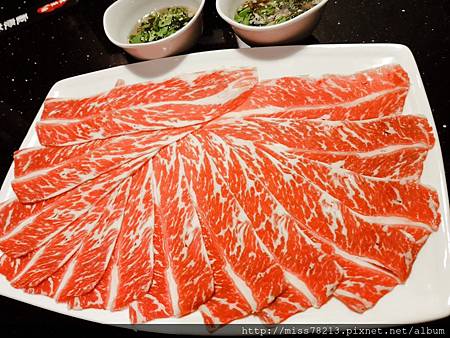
207 96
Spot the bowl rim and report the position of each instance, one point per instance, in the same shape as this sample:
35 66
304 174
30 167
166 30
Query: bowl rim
298 18
151 43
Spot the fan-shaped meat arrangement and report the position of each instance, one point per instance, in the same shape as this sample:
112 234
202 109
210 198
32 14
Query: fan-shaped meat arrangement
219 193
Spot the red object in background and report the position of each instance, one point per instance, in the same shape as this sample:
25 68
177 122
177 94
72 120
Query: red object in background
51 6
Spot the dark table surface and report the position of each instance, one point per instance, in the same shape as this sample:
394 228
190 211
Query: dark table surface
36 54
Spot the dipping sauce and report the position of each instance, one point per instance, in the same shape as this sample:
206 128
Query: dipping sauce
160 24
271 12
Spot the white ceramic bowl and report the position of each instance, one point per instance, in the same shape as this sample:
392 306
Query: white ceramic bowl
289 31
121 17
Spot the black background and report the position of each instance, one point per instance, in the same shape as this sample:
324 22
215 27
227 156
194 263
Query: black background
71 41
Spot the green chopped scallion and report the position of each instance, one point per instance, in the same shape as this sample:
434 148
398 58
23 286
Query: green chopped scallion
271 12
158 25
